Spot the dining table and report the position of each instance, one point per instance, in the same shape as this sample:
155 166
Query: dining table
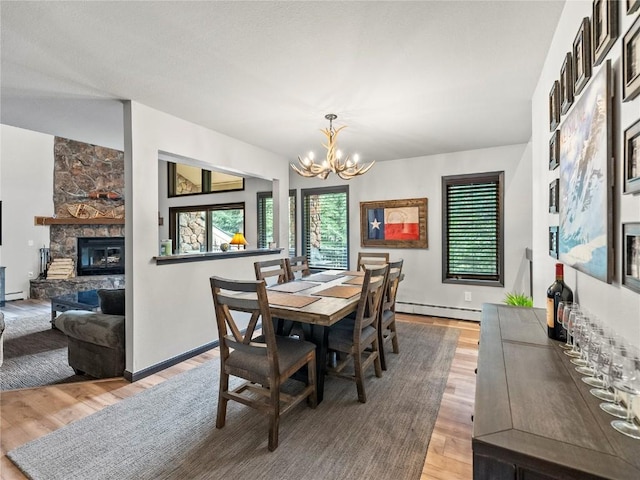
316 302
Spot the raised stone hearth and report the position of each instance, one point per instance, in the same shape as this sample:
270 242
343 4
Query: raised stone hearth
42 288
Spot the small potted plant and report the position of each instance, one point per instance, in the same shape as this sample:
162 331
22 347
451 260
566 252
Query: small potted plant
518 299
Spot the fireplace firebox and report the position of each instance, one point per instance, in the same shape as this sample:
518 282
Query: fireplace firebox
100 256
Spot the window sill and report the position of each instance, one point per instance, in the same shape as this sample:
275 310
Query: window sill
205 256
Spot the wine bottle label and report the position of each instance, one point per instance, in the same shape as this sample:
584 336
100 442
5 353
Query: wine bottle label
550 312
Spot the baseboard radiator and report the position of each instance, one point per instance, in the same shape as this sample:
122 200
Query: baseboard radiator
461 313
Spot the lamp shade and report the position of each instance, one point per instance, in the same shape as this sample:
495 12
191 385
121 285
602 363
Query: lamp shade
238 239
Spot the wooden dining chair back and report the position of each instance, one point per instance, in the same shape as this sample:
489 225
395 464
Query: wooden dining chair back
387 326
297 267
357 338
265 361
272 271
372 259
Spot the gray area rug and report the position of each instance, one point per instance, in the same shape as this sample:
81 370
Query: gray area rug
168 431
34 354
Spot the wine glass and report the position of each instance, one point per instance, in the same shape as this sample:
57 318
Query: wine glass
629 382
576 318
563 315
615 373
596 342
603 366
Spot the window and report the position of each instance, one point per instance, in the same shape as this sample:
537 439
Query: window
325 227
265 220
472 229
189 180
204 227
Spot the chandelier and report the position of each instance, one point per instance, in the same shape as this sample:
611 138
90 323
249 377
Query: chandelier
345 169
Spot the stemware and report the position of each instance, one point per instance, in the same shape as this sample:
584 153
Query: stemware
615 374
563 315
603 366
576 318
629 382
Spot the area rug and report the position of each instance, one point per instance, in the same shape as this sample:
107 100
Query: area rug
35 355
168 431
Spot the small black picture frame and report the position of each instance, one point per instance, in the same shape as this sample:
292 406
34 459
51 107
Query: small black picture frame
553 241
631 62
632 6
554 106
554 150
566 84
554 196
631 256
632 159
582 57
604 28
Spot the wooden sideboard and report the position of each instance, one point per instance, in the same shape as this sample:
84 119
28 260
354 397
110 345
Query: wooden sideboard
534 417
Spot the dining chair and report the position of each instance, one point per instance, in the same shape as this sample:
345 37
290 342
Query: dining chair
297 265
372 259
387 325
265 361
357 337
268 269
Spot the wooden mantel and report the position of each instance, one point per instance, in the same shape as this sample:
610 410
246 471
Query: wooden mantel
77 221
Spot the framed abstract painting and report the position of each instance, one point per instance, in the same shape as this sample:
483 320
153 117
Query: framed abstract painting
631 256
394 223
585 236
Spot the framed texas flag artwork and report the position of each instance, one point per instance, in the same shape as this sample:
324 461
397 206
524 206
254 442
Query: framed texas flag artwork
394 223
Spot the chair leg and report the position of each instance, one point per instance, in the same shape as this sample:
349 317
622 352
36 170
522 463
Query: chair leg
376 360
359 376
394 339
274 419
383 362
222 400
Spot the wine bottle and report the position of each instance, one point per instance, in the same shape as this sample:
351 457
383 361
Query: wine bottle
557 292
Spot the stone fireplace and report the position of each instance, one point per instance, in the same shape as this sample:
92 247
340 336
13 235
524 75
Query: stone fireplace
83 176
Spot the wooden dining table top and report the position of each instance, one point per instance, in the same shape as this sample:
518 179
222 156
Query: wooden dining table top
325 311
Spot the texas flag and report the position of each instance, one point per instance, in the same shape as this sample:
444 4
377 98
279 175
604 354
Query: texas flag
393 223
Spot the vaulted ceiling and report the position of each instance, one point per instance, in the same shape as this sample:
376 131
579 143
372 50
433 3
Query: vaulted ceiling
408 78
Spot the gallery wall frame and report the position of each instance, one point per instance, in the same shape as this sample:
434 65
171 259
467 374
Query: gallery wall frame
632 159
554 193
554 106
553 241
585 234
631 62
604 28
566 84
394 223
582 56
632 6
631 256
554 150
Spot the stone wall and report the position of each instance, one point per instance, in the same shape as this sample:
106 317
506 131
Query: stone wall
81 171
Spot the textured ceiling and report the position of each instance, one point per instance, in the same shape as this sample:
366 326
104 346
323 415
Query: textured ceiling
408 78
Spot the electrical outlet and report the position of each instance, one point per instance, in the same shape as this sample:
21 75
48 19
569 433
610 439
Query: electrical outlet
467 296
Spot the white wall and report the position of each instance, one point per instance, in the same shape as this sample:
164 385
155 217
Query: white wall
169 307
614 303
26 191
422 177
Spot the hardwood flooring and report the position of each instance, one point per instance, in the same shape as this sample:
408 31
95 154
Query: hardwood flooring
31 413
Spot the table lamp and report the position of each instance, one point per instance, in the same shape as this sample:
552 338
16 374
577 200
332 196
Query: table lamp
238 239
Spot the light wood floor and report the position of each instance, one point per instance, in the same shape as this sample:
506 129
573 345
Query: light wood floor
31 413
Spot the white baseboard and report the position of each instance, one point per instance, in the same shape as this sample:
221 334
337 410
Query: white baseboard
459 313
15 296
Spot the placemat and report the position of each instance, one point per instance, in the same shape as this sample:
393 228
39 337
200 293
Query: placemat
292 287
289 300
353 273
356 281
340 291
321 277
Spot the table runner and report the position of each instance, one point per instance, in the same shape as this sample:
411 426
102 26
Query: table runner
321 277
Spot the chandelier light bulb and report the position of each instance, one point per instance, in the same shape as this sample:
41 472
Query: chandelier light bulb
339 154
312 156
356 157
